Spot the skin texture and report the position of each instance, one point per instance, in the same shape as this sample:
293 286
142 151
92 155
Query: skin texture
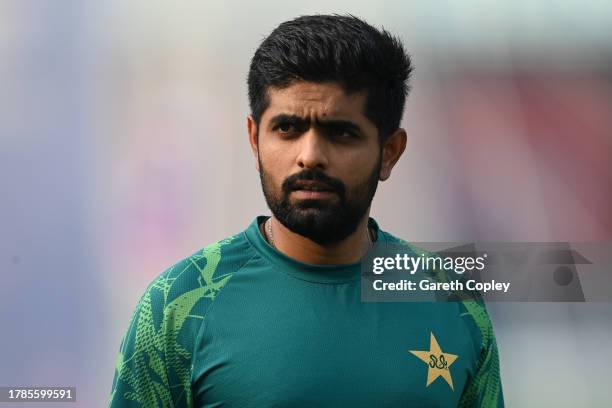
311 143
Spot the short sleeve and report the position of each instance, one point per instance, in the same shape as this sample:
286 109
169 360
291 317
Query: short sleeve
155 363
142 370
484 388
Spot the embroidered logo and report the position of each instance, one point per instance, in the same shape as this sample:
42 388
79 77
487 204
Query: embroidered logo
438 362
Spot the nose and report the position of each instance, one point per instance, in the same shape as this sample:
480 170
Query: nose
312 151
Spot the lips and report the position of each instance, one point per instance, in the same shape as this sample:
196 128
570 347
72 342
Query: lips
312 190
312 195
309 185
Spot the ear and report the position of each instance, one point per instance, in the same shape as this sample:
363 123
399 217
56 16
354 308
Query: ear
392 150
253 139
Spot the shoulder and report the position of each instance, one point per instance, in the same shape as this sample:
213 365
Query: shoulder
154 363
396 242
174 304
201 275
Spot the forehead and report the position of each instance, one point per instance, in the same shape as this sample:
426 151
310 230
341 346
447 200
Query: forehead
317 99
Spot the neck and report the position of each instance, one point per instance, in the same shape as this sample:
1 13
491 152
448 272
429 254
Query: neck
298 247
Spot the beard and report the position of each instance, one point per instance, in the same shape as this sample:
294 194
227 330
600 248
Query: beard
324 221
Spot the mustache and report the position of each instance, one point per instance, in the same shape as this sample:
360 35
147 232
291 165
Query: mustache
291 183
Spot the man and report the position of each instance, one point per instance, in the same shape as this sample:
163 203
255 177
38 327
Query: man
272 316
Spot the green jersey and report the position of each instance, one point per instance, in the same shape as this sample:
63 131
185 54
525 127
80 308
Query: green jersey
239 324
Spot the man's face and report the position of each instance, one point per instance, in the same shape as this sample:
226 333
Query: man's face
319 159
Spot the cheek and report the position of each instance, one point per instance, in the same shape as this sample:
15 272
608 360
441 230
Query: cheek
273 161
355 167
278 158
274 165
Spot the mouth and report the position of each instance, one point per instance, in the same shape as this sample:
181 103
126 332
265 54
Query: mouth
312 190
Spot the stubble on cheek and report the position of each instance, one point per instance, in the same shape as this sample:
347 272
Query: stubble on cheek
272 189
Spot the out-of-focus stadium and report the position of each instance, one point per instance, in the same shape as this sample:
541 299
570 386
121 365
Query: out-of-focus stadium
123 148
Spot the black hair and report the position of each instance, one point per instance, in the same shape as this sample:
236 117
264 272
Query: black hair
343 49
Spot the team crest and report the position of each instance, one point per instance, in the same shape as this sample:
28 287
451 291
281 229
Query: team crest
438 362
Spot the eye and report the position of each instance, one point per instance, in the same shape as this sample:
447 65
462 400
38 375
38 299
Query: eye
285 127
342 134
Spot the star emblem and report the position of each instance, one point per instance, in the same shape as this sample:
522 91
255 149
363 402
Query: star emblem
438 362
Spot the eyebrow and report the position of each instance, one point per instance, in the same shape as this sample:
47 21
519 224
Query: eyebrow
326 123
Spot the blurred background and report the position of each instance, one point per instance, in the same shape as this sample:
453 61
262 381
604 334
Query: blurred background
123 148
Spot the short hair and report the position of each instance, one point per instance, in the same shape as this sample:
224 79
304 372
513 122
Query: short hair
339 48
